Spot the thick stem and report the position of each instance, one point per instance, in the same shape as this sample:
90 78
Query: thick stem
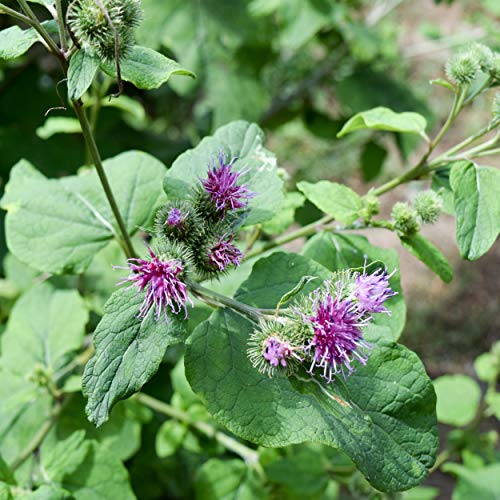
60 26
38 437
250 456
248 311
96 157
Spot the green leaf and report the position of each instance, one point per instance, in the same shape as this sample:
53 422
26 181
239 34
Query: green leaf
14 41
477 207
100 476
47 492
6 475
372 159
65 457
374 409
58 125
381 118
486 367
82 69
244 142
334 199
146 68
431 256
128 352
457 399
285 217
379 411
58 225
169 437
421 493
339 251
481 484
443 83
227 480
45 327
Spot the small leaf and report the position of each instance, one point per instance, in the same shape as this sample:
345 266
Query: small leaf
431 256
128 352
81 72
493 401
243 142
457 399
14 41
477 207
169 437
146 68
58 125
295 290
486 367
334 199
443 83
385 119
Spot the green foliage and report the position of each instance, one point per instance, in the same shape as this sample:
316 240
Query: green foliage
15 42
83 67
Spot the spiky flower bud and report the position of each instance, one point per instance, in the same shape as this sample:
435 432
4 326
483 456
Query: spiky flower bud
462 68
495 109
483 56
405 219
428 205
95 23
371 206
495 66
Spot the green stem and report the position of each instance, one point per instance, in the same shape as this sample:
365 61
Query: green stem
17 15
96 157
440 460
487 152
251 457
200 291
60 26
53 48
38 437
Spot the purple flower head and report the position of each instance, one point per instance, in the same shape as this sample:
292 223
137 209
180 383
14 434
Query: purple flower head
175 218
337 335
372 290
276 351
224 253
222 186
162 284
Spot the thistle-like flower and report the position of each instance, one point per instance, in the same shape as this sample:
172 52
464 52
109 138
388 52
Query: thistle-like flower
337 337
372 290
175 218
162 282
224 253
223 188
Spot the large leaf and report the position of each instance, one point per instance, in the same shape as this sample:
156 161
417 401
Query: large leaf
431 256
45 327
81 72
14 41
146 68
381 118
240 140
477 207
128 352
334 199
340 251
59 225
386 424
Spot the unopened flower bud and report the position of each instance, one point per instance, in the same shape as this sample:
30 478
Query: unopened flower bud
483 55
371 206
405 219
495 66
428 205
462 68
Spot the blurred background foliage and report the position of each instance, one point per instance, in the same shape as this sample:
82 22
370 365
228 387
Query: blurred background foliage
300 68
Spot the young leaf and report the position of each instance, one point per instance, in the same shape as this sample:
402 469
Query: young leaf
334 199
379 413
128 352
479 483
14 41
241 141
145 68
58 125
385 119
81 72
431 256
457 399
45 327
58 225
169 437
340 251
295 290
477 207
